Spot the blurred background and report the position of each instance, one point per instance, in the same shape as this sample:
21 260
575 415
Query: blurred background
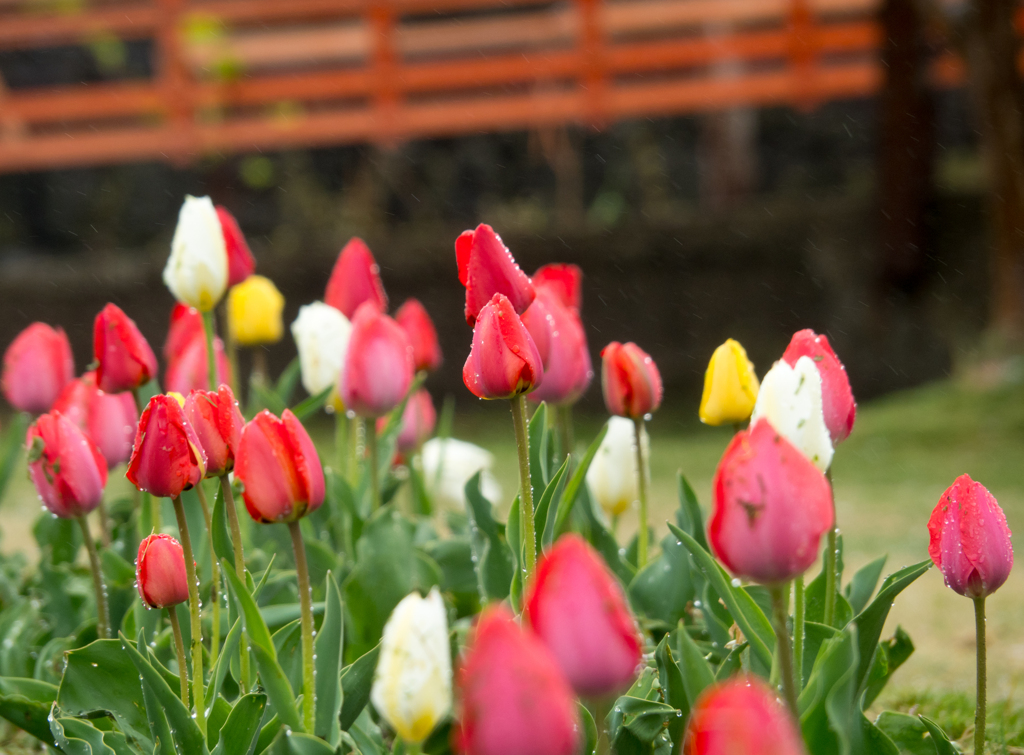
719 168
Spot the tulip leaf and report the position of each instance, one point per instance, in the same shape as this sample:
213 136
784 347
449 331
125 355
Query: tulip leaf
76 736
158 726
908 733
328 647
11 447
514 538
306 744
643 718
238 733
26 703
59 539
673 687
572 489
863 584
366 735
942 744
544 514
871 739
287 381
662 589
688 515
697 673
589 730
356 680
537 437
222 545
603 541
892 654
827 703
312 404
815 636
494 560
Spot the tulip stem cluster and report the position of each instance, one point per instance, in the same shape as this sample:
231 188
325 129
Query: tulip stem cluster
104 524
209 327
779 618
236 543
798 628
979 711
308 670
641 487
215 572
519 421
374 471
179 649
355 427
102 615
193 609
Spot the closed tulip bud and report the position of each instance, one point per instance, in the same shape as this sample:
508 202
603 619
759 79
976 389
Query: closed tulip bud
577 608
167 457
412 687
218 422
378 368
504 360
790 398
486 268
189 370
418 420
539 323
837 402
630 380
108 419
254 312
448 464
160 572
970 540
771 507
186 325
426 351
515 699
741 715
197 270
564 280
355 280
321 335
567 368
241 263
37 365
612 477
67 468
278 466
124 360
730 386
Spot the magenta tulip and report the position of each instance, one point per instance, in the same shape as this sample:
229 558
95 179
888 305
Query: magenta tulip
837 401
37 365
378 368
67 468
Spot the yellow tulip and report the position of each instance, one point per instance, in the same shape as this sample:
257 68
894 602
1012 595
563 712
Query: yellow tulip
254 312
730 386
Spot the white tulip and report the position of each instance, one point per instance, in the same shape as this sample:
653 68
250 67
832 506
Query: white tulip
321 334
412 687
790 398
197 270
612 477
448 465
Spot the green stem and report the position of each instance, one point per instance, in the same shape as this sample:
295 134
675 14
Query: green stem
179 648
413 748
340 439
525 487
236 543
211 357
798 628
831 583
785 646
104 524
102 615
355 425
305 603
565 433
149 505
979 711
371 442
215 576
193 609
641 467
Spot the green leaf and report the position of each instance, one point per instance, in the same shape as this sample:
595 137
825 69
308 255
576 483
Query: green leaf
222 545
494 562
216 717
645 719
356 680
239 732
118 572
306 744
603 541
688 515
568 498
863 584
537 437
829 718
544 515
26 703
673 687
697 673
328 647
158 725
815 635
287 381
513 536
11 447
908 733
589 730
59 539
312 404
662 589
894 652
75 736
942 744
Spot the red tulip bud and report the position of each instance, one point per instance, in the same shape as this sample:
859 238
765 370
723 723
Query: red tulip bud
186 325
970 540
541 324
355 280
378 367
630 379
564 280
486 268
108 419
504 360
419 328
241 263
741 715
278 465
567 369
190 371
218 422
69 472
160 572
37 365
167 457
418 420
577 608
836 397
123 356
771 507
515 700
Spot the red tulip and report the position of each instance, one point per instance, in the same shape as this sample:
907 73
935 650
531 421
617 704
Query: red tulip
355 280
630 379
378 366
123 356
67 468
37 365
418 420
577 608
741 715
278 465
564 280
186 325
218 422
970 540
515 700
189 370
167 457
108 419
486 268
567 368
836 397
241 263
541 324
771 507
504 360
426 351
160 572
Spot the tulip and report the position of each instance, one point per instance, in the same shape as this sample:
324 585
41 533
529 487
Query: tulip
539 323
631 381
418 420
241 263
355 280
565 280
197 270
839 408
567 367
378 365
108 419
190 371
790 398
741 715
730 386
486 268
254 312
124 360
515 699
504 361
37 365
321 335
218 422
448 464
612 477
412 687
186 325
167 457
419 328
577 608
160 572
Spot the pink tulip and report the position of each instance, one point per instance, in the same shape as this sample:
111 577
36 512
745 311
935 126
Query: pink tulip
486 268
160 572
355 280
564 280
418 420
504 360
378 368
419 328
123 357
218 422
567 369
189 371
630 380
241 263
540 323
37 365
186 325
108 419
167 457
67 468
836 396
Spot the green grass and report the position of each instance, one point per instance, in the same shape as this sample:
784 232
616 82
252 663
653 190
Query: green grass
954 711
